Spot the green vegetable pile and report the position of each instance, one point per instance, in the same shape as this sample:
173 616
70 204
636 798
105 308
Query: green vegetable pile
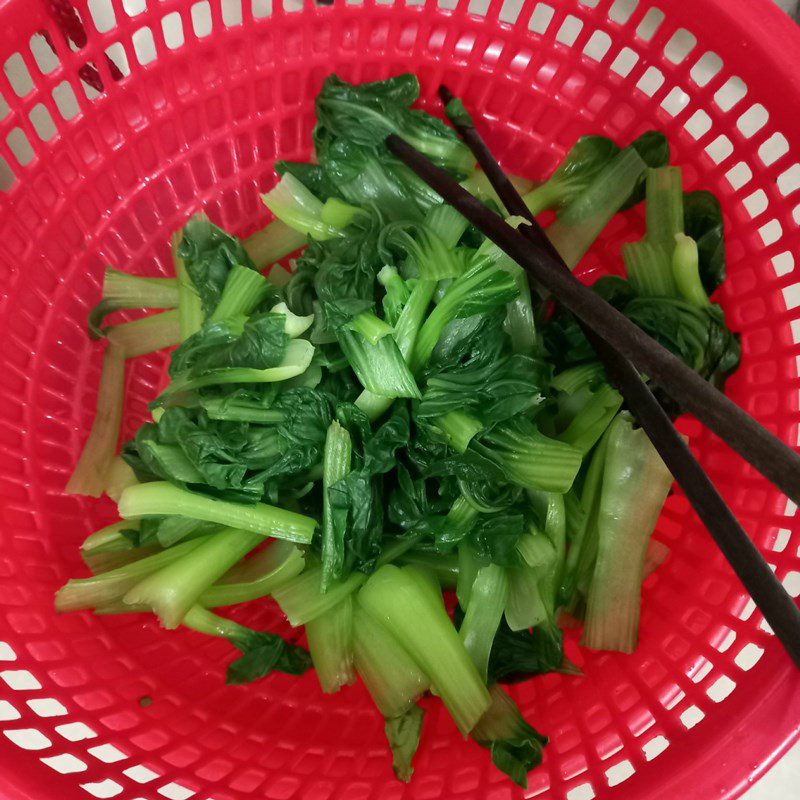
401 414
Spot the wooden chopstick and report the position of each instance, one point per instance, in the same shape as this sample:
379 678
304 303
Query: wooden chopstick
769 595
768 454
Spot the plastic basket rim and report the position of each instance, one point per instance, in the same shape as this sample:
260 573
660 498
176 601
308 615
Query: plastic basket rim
760 742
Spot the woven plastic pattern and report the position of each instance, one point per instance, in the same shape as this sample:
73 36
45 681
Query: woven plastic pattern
100 157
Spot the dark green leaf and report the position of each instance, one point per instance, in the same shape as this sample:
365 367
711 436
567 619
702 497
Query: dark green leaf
702 220
259 343
653 148
403 734
367 113
263 653
209 253
516 747
312 176
517 655
494 538
380 450
493 392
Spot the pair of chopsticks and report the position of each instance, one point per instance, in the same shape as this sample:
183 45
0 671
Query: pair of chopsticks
624 350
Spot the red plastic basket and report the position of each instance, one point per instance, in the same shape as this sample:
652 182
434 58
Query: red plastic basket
209 94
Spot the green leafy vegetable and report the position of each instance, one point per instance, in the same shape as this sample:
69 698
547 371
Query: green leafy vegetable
396 413
262 652
515 746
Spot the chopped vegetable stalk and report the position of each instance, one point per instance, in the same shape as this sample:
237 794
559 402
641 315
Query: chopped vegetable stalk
656 555
571 380
635 486
121 290
581 222
335 467
190 309
515 746
372 328
394 682
256 577
480 289
295 325
483 614
330 642
146 335
111 586
528 458
245 289
393 679
555 529
403 734
591 422
337 213
291 202
105 562
649 269
478 184
400 601
296 361
686 271
262 652
434 258
91 471
160 497
109 539
380 367
536 549
111 547
458 429
272 243
468 567
585 160
526 605
302 601
173 590
120 477
238 409
397 293
583 547
649 261
405 334
664 207
446 223
444 567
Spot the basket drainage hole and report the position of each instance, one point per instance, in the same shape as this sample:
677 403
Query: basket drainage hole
174 791
691 717
655 747
782 265
748 656
721 688
140 773
20 679
75 731
792 583
7 711
622 9
28 738
65 763
47 707
107 753
6 653
619 773
582 792
101 789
